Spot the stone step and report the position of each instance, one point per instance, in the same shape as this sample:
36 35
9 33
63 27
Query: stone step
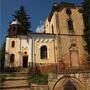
18 75
24 70
15 83
16 88
15 74
16 78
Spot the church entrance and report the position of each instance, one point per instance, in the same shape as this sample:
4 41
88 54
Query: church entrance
69 86
65 83
25 61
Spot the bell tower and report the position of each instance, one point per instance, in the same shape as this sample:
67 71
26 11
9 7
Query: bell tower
13 45
14 28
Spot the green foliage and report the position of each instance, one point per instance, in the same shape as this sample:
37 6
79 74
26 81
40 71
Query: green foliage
86 14
2 57
41 79
23 18
35 76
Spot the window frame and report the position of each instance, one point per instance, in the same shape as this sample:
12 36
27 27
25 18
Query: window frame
43 53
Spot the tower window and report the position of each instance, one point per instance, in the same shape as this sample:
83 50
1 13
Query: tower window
43 52
13 44
70 25
14 28
12 58
68 11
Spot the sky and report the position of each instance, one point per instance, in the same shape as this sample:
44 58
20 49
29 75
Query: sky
38 10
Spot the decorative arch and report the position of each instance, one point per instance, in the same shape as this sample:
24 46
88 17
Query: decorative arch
74 56
43 44
43 52
63 82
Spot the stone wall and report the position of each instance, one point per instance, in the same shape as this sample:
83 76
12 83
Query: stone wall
81 81
39 87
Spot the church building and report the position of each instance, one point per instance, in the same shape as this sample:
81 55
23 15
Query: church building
62 40
61 44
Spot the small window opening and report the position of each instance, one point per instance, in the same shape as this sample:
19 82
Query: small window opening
13 43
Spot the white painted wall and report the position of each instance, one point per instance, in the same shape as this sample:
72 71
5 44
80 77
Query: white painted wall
27 44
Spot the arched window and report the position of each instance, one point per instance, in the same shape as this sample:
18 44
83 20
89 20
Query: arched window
52 29
70 25
43 52
12 58
13 44
69 86
68 11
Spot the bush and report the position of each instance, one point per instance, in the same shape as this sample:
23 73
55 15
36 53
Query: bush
35 76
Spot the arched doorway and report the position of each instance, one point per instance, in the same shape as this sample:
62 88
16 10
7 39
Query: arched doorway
25 61
12 59
68 83
69 86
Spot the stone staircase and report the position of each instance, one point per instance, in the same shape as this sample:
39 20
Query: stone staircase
17 81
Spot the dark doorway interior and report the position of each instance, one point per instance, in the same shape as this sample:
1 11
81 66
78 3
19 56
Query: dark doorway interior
25 61
69 86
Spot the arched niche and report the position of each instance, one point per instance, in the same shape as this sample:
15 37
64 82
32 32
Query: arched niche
63 82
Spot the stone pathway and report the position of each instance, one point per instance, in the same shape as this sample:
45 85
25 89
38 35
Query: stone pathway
17 82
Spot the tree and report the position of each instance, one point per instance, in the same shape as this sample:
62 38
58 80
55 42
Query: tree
2 56
86 14
23 18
